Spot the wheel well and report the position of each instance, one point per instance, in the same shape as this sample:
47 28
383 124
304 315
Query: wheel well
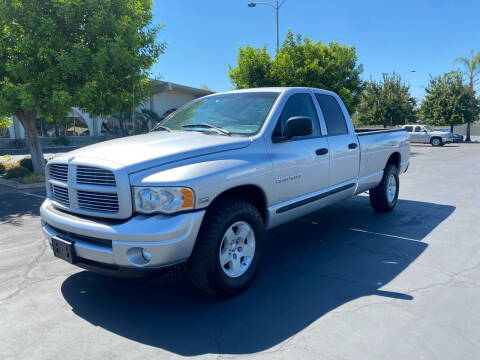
250 193
435 137
394 159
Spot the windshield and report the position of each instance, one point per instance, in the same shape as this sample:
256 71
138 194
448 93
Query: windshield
428 128
240 113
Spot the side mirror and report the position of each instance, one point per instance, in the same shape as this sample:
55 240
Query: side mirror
298 126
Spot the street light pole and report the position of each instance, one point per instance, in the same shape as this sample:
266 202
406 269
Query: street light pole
277 7
276 10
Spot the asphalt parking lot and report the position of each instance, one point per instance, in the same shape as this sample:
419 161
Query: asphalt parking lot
343 283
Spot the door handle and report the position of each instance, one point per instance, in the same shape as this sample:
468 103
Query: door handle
321 151
352 146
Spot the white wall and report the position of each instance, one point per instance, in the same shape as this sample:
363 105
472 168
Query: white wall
167 100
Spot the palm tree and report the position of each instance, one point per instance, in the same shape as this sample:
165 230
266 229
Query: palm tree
472 69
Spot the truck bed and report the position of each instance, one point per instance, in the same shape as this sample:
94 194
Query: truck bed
376 146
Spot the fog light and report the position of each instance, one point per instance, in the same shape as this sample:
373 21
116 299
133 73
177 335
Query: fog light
146 255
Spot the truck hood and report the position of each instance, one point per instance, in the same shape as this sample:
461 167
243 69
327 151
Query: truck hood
157 148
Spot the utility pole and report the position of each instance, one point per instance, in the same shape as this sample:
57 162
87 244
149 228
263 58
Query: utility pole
275 6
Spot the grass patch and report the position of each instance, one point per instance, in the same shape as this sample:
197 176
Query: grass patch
33 178
17 172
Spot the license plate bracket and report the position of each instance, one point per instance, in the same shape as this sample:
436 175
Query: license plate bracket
63 249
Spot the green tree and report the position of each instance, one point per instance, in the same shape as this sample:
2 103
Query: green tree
5 122
448 101
253 68
301 62
93 54
472 69
385 102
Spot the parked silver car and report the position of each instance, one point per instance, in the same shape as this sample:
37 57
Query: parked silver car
426 135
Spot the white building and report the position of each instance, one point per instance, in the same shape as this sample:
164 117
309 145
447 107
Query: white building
167 96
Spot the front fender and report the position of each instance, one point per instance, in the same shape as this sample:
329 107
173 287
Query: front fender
211 175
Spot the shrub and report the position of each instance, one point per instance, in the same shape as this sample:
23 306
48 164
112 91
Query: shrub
17 172
26 163
2 168
33 178
61 140
18 143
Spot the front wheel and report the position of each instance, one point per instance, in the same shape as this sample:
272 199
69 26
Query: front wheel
384 196
436 141
228 249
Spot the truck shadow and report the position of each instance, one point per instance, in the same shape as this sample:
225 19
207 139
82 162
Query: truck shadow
311 267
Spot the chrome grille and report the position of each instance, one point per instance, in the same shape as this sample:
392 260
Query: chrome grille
89 190
96 201
95 176
59 172
60 194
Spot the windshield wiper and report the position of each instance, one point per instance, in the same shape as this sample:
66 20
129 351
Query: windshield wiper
161 127
208 126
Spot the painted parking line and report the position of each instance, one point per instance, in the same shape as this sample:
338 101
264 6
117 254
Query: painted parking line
382 234
32 194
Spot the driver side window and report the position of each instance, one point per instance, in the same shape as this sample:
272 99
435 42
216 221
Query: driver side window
418 129
298 105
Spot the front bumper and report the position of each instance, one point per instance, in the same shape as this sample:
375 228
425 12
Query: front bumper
118 245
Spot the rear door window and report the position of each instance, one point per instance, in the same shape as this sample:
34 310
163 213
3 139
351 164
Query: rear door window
333 115
408 128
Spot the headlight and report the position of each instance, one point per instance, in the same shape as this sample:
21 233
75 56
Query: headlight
166 200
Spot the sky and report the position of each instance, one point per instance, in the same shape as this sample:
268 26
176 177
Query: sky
424 35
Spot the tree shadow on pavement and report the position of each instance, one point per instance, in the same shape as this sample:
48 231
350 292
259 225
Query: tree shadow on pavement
14 205
311 267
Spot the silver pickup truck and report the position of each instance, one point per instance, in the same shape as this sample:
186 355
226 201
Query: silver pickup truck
205 183
426 135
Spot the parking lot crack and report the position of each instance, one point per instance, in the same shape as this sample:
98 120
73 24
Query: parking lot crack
24 276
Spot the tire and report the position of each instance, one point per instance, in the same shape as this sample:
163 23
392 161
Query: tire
213 247
436 141
382 198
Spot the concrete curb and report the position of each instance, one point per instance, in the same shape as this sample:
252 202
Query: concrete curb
20 186
46 150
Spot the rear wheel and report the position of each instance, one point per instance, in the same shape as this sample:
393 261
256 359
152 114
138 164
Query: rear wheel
436 141
384 196
228 249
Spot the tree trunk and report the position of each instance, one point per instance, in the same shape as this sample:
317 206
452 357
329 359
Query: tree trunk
467 138
451 128
28 119
122 126
472 104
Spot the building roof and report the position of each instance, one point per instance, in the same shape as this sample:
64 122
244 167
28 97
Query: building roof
161 86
